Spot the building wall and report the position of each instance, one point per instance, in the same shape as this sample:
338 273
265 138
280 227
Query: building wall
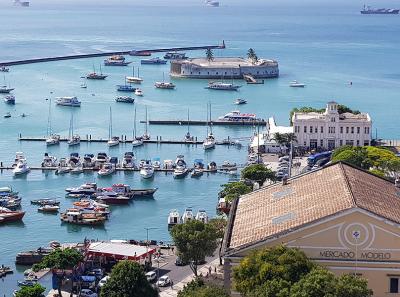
352 242
329 131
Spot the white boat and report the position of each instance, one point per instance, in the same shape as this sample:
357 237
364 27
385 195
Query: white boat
68 101
188 137
164 85
296 84
240 101
19 156
173 218
156 163
134 79
21 168
128 160
139 92
209 142
106 169
212 3
168 164
62 166
187 215
9 99
181 169
78 169
221 86
137 141
236 116
112 140
49 161
53 139
202 216
73 139
147 170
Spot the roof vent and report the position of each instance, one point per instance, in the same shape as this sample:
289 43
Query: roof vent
283 218
282 194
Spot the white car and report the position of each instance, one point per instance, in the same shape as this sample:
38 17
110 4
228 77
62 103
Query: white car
103 281
87 293
164 281
151 276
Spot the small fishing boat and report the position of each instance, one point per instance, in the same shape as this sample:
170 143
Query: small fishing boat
240 101
173 218
202 216
7 115
21 168
4 69
139 92
10 99
49 208
153 61
221 86
147 170
106 170
7 215
68 101
296 84
125 99
187 215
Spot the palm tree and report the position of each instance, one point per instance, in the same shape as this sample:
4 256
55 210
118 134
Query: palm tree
290 137
251 54
279 138
209 55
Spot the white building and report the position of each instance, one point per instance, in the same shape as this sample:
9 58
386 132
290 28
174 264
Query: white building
330 129
224 67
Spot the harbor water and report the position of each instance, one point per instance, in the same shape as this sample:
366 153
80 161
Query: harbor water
325 48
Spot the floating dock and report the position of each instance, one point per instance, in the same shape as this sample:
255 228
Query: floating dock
205 123
104 54
251 80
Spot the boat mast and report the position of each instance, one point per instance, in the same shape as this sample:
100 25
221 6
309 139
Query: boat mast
188 121
134 126
49 120
110 126
146 123
210 119
207 120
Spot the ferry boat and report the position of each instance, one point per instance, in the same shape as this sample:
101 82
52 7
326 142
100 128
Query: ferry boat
5 90
202 216
4 69
68 101
240 101
153 61
369 10
236 116
10 99
7 215
164 85
116 60
221 86
296 84
125 99
175 56
173 218
187 215
147 170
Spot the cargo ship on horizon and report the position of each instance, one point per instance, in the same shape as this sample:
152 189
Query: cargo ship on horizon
369 10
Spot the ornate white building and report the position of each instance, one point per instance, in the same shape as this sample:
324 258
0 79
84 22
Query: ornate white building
330 129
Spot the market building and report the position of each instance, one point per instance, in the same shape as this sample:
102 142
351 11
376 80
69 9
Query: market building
330 129
342 217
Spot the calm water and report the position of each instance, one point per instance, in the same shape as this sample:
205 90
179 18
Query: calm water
324 48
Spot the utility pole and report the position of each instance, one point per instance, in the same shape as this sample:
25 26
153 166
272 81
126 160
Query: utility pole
147 239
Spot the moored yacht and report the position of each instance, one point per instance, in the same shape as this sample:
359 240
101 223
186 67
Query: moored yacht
62 166
53 139
112 140
21 168
209 142
156 163
68 101
106 169
181 169
173 218
202 216
49 161
222 86
296 84
236 116
128 160
147 170
134 79
10 99
240 101
187 215
74 140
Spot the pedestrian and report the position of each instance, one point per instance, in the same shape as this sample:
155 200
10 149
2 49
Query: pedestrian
172 284
215 269
209 270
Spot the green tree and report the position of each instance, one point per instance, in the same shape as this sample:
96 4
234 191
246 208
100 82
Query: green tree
220 226
279 138
127 278
258 172
209 55
251 55
233 190
357 156
34 291
272 288
194 241
344 108
277 263
318 283
62 260
197 288
352 286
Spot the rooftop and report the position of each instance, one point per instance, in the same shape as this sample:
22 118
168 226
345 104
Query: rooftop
223 62
119 250
308 198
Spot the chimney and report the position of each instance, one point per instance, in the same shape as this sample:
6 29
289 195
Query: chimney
284 180
397 182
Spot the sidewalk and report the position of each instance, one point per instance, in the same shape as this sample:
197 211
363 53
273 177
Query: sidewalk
173 292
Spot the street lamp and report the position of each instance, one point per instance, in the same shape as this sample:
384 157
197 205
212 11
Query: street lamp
147 239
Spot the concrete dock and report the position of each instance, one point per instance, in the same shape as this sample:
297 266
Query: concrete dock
205 123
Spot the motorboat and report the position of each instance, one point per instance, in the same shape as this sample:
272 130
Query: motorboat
156 163
221 86
168 164
100 159
236 116
78 169
125 88
188 137
106 169
46 201
202 216
114 199
62 166
74 160
53 139
7 115
7 191
240 101
173 218
212 167
164 85
85 189
10 99
68 101
88 161
228 166
75 216
128 160
113 141
209 142
147 170
5 90
74 140
21 168
187 215
196 173
175 56
139 92
181 169
116 58
153 61
4 69
109 62
198 168
49 161
137 142
96 76
296 84
49 208
212 3
125 99
138 193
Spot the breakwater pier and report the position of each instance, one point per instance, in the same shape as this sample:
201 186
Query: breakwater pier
205 123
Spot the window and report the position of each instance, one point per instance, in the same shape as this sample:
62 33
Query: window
358 130
352 130
366 130
332 120
331 130
305 143
394 285
341 130
305 129
311 129
347 130
322 142
322 129
366 142
358 143
340 142
316 129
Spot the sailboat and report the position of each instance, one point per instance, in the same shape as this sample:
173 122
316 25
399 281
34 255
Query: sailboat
51 139
137 141
146 135
134 79
164 85
188 137
112 140
209 142
94 75
4 89
73 139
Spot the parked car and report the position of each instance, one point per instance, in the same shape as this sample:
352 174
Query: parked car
284 158
97 272
103 281
180 262
88 293
151 276
164 281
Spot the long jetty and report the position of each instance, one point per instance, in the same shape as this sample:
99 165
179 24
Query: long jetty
205 123
103 54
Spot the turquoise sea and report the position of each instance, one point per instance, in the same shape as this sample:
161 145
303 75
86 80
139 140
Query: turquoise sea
324 47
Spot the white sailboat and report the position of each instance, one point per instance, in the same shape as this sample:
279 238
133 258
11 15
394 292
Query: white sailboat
52 138
72 138
134 79
188 137
112 140
137 141
209 142
146 135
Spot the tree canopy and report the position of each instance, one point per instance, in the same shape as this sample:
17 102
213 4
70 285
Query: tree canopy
233 190
258 172
34 291
127 278
194 241
197 288
251 55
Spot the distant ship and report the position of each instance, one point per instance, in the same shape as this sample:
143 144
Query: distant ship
21 3
212 3
369 10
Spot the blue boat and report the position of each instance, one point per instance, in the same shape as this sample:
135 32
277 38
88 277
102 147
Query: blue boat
154 61
125 88
9 99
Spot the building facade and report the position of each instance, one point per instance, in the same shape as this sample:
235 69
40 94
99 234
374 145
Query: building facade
343 218
330 129
223 67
